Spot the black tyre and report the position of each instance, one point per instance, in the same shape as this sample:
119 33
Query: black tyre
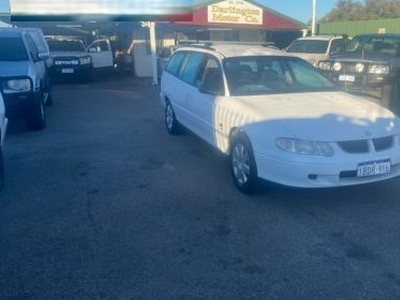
242 164
37 117
1 169
173 126
48 90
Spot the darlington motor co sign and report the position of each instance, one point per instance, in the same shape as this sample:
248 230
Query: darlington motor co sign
235 12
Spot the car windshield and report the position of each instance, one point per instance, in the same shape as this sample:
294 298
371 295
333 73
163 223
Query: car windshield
309 46
66 45
258 75
12 49
374 44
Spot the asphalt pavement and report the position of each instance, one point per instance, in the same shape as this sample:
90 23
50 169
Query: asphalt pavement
104 204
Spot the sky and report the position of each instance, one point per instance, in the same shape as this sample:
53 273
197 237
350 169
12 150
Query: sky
300 10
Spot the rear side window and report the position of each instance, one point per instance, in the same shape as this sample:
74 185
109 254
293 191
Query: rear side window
12 49
190 67
175 63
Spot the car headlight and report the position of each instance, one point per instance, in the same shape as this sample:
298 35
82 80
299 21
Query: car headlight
324 65
304 146
17 85
379 69
85 60
337 66
359 67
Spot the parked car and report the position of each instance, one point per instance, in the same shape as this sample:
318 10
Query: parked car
3 130
276 117
25 85
318 47
71 58
163 57
370 65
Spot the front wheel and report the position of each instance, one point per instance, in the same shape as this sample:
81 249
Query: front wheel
37 117
1 169
173 126
242 164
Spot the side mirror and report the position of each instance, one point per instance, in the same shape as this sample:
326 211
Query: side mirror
43 56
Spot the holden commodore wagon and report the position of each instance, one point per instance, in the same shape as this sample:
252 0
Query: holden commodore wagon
277 118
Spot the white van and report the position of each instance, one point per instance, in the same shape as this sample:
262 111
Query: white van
3 130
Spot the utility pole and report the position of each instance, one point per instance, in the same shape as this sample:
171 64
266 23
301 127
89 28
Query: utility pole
152 30
314 5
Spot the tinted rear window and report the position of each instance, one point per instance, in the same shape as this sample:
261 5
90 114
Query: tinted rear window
12 49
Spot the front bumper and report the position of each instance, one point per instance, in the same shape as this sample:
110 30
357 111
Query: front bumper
317 173
377 86
20 105
71 71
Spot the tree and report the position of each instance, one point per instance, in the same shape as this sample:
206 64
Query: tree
349 10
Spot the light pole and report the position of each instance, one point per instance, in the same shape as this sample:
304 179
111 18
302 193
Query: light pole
314 5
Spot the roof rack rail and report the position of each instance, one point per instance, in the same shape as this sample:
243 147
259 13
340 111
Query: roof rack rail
208 44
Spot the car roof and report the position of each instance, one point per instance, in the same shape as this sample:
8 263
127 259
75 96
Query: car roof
321 37
234 49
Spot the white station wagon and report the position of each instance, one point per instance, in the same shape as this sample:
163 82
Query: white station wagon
278 118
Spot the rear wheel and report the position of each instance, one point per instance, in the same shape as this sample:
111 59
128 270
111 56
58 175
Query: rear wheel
242 164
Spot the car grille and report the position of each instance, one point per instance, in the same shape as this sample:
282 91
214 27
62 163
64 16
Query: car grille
349 67
66 62
363 146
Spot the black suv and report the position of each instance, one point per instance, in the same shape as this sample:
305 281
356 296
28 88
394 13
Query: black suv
369 65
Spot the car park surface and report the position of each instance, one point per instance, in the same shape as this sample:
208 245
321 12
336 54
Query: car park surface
370 65
124 211
25 83
260 106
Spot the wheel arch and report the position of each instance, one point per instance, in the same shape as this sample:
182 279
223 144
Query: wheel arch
236 132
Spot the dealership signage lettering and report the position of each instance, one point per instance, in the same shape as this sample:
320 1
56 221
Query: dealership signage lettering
236 12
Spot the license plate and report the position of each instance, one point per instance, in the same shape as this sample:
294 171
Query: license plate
67 70
373 168
350 78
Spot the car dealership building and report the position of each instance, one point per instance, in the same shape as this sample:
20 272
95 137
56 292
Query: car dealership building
229 20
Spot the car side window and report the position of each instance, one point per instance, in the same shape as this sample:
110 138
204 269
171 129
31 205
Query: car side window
211 80
32 47
175 63
190 67
337 46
